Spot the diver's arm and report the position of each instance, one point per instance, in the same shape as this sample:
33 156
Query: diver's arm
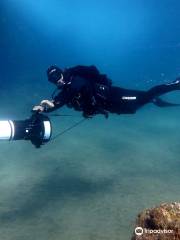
47 106
57 102
51 105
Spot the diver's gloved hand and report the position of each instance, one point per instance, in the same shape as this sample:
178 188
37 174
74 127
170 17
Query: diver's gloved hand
43 106
47 104
38 109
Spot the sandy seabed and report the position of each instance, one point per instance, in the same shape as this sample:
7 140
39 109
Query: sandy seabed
90 183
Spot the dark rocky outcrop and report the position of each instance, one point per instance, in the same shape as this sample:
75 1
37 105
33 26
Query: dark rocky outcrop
159 223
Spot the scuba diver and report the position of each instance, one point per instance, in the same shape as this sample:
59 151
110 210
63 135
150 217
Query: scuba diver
85 89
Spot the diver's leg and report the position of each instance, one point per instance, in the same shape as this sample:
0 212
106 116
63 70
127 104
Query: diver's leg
129 101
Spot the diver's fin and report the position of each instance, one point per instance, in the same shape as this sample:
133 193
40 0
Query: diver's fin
162 103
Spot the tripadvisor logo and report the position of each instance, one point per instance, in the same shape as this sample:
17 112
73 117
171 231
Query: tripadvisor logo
140 231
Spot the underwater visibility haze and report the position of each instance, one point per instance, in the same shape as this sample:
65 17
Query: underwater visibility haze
90 183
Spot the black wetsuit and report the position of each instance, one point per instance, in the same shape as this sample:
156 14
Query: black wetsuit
89 91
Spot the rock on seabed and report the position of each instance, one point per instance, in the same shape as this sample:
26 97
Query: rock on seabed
159 223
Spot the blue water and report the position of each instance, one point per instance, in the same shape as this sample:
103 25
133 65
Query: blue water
91 183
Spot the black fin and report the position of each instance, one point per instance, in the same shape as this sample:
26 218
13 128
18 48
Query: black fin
162 103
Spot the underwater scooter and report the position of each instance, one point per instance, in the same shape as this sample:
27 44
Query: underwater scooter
37 129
